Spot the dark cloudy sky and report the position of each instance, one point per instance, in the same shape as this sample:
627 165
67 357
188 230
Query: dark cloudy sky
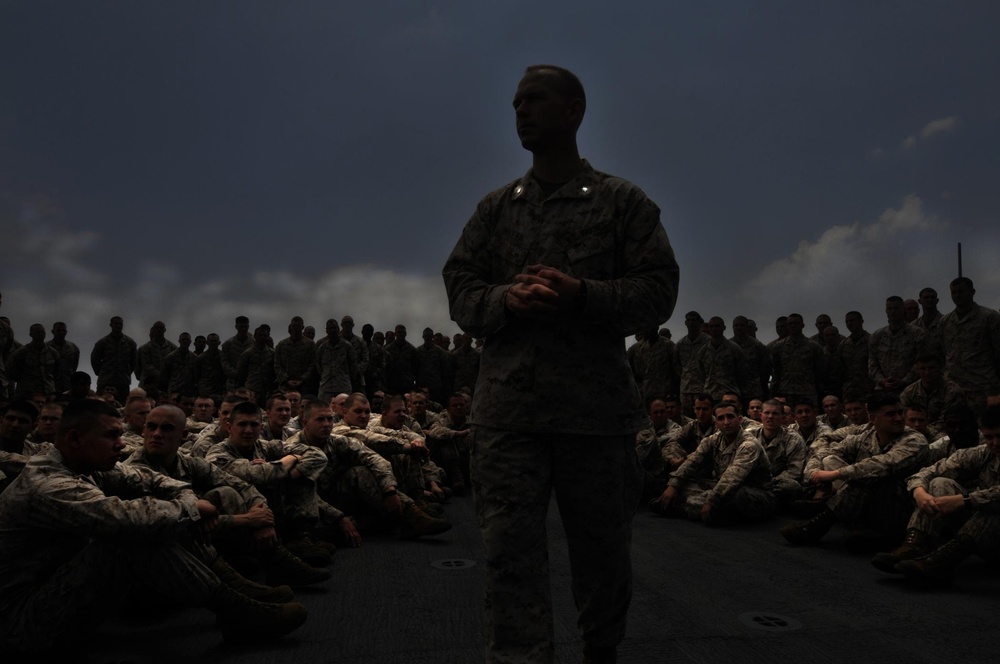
192 161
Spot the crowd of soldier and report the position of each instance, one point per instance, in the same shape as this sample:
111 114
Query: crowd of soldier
273 449
249 475
896 455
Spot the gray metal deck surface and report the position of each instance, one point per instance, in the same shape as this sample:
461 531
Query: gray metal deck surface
701 595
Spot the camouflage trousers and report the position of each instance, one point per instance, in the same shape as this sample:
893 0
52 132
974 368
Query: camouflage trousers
409 473
356 490
745 503
82 592
597 482
982 527
786 489
293 501
884 505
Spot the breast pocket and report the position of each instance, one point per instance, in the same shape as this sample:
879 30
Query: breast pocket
593 257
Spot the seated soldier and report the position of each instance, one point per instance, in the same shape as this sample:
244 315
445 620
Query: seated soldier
956 512
932 390
295 422
733 398
135 412
856 411
358 477
675 411
215 433
868 471
789 419
691 434
278 411
430 478
807 424
16 421
285 473
786 453
916 419
725 480
418 405
81 532
833 413
202 416
405 453
448 439
960 432
649 447
246 523
48 424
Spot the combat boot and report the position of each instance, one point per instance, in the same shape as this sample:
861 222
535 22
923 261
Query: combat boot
915 544
245 619
938 566
432 509
302 545
812 530
258 591
284 567
417 523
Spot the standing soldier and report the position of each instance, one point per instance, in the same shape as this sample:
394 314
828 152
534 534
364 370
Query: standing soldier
69 356
555 269
33 366
114 359
971 338
153 353
232 348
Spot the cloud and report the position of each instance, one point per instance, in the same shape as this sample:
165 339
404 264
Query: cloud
929 130
850 266
940 126
49 273
430 28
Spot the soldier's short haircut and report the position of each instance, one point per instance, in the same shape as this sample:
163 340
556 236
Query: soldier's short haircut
799 316
704 396
854 313
804 401
84 415
244 408
990 419
21 406
312 406
880 399
958 412
780 318
693 314
962 281
894 298
80 378
569 86
242 320
929 358
232 397
276 396
652 400
671 398
388 401
353 398
774 403
928 289
726 404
